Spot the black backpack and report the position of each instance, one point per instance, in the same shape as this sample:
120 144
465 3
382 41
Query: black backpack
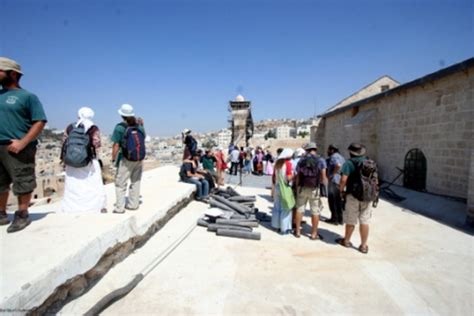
77 151
364 184
308 172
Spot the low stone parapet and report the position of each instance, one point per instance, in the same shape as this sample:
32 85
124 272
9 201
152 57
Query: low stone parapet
59 256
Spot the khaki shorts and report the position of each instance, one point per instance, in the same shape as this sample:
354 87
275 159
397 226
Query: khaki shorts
18 169
356 210
305 195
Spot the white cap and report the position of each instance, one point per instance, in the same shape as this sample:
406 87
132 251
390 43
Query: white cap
126 110
299 152
287 153
186 131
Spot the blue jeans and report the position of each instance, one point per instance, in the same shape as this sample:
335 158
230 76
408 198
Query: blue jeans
281 218
202 186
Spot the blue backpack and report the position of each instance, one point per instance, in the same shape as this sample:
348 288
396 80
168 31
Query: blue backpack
133 144
77 151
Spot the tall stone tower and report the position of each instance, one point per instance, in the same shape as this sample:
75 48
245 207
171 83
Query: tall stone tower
241 122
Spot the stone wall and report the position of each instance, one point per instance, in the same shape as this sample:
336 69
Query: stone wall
470 197
436 117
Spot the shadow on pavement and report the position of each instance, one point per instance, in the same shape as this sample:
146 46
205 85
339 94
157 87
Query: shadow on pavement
444 210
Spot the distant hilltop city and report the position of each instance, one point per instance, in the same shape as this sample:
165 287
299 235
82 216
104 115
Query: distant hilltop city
268 133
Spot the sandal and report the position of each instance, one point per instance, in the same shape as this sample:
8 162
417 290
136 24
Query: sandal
317 237
341 242
364 250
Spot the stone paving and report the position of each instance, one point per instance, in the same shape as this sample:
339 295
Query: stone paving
415 266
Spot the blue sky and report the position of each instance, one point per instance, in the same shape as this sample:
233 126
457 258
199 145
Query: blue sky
180 62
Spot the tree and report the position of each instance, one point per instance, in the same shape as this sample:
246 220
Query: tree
270 134
303 134
209 143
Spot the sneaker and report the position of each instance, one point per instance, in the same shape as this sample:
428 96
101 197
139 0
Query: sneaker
19 222
118 212
131 209
4 219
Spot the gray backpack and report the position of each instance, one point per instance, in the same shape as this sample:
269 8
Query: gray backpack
78 148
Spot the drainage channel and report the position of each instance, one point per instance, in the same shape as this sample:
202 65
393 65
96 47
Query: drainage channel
81 284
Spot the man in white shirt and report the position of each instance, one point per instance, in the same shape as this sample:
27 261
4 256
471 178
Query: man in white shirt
234 160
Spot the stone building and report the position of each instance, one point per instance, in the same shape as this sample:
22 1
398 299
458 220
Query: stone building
241 122
424 128
224 138
285 132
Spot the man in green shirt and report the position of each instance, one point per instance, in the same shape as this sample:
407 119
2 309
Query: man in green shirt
126 169
22 119
355 210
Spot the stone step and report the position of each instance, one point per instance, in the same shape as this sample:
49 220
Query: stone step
59 255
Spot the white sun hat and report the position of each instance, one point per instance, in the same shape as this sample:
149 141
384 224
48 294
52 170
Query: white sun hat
126 110
287 153
300 152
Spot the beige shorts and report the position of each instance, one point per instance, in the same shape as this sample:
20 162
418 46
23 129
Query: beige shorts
356 210
305 195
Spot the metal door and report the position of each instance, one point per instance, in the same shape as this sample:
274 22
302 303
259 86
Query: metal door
414 176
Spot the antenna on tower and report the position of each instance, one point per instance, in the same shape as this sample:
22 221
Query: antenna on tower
314 113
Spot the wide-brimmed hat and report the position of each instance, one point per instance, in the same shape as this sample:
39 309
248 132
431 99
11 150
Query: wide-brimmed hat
310 146
126 110
356 149
333 146
287 153
7 64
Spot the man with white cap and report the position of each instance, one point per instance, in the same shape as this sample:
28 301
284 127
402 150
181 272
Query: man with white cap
22 119
128 151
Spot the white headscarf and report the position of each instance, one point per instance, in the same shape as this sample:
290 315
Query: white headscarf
85 115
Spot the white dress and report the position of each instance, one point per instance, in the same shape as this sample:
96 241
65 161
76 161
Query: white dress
84 190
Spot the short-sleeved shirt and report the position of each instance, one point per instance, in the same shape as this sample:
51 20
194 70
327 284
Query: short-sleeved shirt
235 156
333 161
19 110
320 164
118 134
348 169
208 162
187 166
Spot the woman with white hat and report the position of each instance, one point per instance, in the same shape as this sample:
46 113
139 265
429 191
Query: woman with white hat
84 190
281 216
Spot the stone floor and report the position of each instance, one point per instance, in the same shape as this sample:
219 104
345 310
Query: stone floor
416 265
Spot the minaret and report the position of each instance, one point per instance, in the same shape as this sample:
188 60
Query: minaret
241 121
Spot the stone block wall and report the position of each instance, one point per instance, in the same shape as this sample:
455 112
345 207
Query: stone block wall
470 194
436 117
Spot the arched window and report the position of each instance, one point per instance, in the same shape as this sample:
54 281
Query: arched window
414 175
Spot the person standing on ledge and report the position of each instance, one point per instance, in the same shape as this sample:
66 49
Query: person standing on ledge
128 151
22 119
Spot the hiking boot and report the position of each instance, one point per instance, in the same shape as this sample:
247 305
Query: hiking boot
4 219
20 221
